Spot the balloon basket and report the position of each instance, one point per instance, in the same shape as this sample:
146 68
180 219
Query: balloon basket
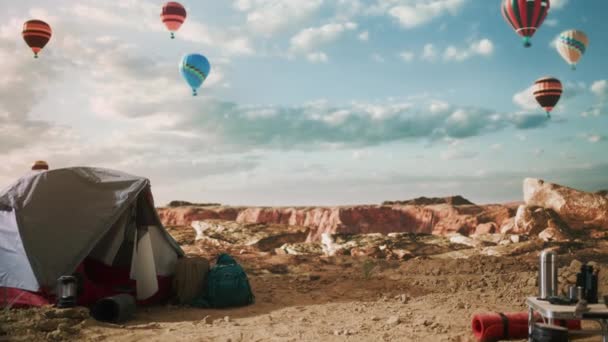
172 35
35 56
527 42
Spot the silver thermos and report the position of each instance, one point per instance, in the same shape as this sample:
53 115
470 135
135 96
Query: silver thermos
547 275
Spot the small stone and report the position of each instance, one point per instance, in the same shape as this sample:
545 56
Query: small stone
515 238
575 266
375 318
572 279
337 332
227 319
57 336
314 277
460 305
205 319
393 321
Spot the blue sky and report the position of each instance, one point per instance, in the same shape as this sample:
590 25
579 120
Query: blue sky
308 102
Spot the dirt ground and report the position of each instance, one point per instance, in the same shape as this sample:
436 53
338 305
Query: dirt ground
327 299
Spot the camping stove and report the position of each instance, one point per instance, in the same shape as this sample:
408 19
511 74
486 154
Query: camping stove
66 292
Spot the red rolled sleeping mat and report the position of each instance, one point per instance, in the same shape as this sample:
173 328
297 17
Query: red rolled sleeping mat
489 327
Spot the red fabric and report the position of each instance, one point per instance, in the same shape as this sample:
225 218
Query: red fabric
99 281
103 281
488 326
18 298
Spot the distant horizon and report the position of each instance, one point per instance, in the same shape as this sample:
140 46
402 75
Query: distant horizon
315 102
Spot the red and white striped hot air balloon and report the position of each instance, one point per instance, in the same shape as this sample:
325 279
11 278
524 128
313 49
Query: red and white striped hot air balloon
36 34
173 16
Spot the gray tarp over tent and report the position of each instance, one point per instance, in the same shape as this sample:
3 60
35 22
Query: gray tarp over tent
50 221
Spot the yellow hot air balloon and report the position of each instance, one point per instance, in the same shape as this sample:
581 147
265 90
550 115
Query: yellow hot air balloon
571 45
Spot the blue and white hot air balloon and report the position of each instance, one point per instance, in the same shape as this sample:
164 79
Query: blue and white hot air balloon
195 69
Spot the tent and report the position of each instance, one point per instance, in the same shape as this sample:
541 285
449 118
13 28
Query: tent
97 224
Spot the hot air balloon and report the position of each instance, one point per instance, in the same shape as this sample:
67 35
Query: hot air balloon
36 34
571 45
525 16
173 16
547 91
195 69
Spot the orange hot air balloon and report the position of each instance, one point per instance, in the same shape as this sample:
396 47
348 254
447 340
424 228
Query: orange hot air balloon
173 16
36 34
548 91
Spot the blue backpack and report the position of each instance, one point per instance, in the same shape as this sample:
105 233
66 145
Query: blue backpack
227 285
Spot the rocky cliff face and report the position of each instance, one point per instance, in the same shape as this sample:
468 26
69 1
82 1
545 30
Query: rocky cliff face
438 219
578 209
551 212
185 215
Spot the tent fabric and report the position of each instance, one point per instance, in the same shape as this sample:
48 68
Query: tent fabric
15 270
51 221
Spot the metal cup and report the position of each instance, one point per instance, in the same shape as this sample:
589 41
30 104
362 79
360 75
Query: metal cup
572 292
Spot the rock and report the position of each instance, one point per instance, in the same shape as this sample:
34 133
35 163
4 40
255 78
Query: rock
71 313
422 215
175 204
464 240
49 324
227 319
508 226
184 216
303 248
486 228
575 266
393 321
530 220
261 236
369 245
375 318
515 238
453 200
58 336
578 209
402 254
552 234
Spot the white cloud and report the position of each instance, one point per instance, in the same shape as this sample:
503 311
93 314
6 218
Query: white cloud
412 14
407 56
439 107
558 4
313 37
525 99
317 57
483 47
551 22
429 53
600 88
268 17
364 36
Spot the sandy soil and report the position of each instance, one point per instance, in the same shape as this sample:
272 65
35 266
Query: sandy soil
329 299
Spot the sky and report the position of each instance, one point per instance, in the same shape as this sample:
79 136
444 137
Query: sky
308 102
